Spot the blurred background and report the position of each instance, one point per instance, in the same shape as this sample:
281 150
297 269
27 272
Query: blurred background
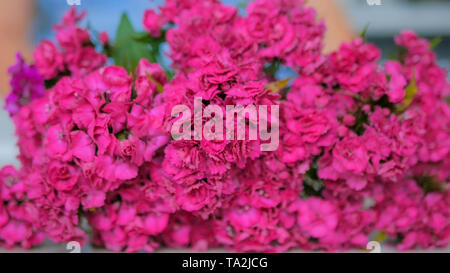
428 18
24 23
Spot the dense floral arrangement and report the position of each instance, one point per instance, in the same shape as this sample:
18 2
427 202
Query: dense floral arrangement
364 148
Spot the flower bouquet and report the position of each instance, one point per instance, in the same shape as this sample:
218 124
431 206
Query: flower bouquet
127 152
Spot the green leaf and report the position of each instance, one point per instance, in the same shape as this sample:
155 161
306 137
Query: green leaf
381 236
411 91
145 37
361 119
243 4
127 51
364 31
277 86
155 43
169 74
312 184
273 67
123 135
435 42
142 37
430 184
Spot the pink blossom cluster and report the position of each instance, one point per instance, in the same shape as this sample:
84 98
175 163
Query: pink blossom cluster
364 147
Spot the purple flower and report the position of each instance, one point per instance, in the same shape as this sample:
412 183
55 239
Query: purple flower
26 85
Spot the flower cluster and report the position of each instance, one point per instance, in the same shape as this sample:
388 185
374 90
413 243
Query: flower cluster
364 148
26 85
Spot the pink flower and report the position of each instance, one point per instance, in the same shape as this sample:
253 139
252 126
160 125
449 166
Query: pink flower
84 61
26 85
153 23
111 169
126 214
355 65
93 199
57 143
311 125
62 176
154 70
244 217
14 232
316 217
397 82
104 219
155 223
195 196
104 37
69 36
84 116
49 61
4 217
118 82
145 91
132 150
350 155
82 145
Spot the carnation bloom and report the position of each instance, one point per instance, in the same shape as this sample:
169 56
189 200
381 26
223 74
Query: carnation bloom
363 147
26 83
316 217
49 61
350 155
